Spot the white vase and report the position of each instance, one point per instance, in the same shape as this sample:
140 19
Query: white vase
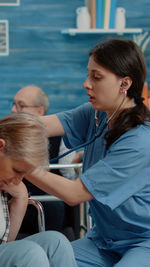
120 20
83 19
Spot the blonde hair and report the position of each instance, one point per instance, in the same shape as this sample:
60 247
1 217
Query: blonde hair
26 138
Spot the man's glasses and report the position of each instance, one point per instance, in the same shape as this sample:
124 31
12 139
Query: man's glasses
20 107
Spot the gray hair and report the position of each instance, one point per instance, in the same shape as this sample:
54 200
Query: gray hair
26 138
42 100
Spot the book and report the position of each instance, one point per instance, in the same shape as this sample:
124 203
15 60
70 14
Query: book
113 6
92 7
100 14
106 13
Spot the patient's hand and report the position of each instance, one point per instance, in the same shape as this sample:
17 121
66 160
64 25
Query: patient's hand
17 190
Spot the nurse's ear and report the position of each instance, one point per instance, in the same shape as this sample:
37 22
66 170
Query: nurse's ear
2 145
126 83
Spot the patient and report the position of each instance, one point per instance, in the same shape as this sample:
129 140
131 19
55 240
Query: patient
22 151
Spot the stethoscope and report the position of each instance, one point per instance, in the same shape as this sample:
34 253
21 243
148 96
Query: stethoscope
77 147
96 135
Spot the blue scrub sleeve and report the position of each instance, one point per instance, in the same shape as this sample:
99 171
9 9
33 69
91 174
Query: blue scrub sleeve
123 172
76 123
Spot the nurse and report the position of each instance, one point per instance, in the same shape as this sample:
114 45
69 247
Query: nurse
116 165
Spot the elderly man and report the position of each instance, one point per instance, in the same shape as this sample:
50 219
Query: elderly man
31 99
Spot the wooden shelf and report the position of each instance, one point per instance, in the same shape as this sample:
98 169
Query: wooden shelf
74 31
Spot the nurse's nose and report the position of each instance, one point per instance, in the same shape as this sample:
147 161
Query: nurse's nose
87 84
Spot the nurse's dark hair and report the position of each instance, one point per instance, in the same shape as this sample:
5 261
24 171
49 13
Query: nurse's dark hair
124 58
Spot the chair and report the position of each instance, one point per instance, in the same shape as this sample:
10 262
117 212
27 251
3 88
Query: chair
85 219
71 223
40 213
38 223
78 216
40 217
71 226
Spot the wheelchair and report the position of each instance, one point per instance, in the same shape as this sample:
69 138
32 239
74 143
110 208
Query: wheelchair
75 220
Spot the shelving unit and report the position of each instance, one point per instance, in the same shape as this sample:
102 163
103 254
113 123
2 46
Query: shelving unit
75 31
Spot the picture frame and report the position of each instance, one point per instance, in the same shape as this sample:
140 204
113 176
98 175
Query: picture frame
4 38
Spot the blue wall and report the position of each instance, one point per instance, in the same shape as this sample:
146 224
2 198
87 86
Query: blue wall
41 55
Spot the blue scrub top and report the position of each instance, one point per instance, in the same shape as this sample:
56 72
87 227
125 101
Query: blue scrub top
118 178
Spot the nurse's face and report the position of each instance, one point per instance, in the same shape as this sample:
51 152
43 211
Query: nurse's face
103 88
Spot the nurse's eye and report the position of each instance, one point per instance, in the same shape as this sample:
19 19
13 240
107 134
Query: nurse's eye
96 78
